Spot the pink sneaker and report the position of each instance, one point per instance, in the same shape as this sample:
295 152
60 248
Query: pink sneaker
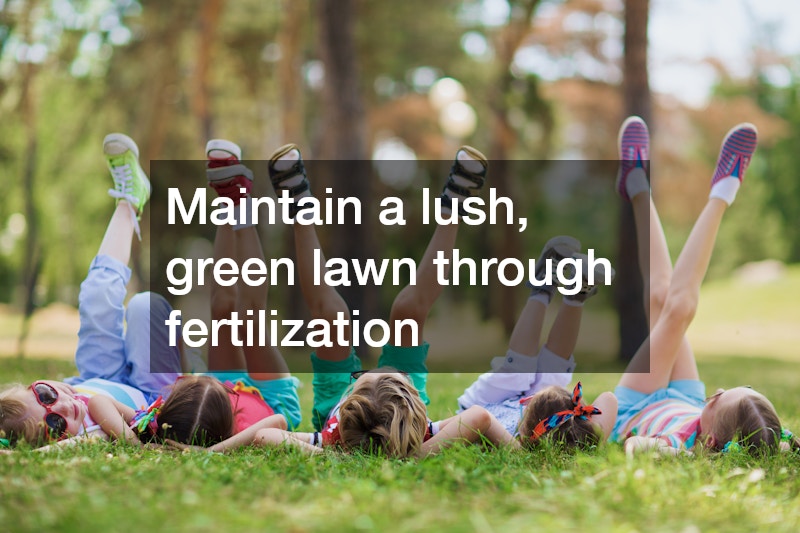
634 151
736 152
225 173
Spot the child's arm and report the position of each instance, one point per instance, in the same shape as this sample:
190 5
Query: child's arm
607 403
274 437
472 426
114 418
265 432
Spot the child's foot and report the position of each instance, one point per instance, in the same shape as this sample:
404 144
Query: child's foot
634 155
555 249
467 174
130 181
288 173
587 290
226 175
734 158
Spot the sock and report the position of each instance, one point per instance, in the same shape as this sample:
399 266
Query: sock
541 296
636 182
469 163
573 303
726 189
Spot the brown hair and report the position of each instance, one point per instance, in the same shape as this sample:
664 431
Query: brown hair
385 415
752 423
576 432
15 423
197 411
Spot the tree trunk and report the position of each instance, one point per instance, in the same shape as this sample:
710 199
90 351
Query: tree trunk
207 29
344 138
628 290
32 261
503 140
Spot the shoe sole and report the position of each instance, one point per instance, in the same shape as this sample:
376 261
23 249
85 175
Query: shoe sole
227 149
282 151
475 154
118 144
564 245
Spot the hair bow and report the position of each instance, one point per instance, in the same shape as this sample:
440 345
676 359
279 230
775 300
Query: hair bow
580 410
786 435
147 418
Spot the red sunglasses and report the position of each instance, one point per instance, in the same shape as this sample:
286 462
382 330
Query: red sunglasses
46 395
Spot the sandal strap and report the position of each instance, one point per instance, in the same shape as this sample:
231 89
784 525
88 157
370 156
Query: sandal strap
279 176
459 170
447 202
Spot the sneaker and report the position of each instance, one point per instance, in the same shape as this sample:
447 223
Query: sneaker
130 181
555 249
587 290
226 175
736 152
467 174
634 151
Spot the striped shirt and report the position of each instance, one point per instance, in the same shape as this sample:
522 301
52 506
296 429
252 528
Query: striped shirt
674 421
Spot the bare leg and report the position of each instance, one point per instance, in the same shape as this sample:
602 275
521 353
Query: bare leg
681 303
563 335
656 268
263 362
323 301
118 237
415 301
224 356
528 330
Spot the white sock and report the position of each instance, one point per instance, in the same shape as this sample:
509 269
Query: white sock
636 182
541 296
573 303
726 189
469 163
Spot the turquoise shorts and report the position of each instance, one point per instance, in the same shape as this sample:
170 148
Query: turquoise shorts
632 402
280 394
332 378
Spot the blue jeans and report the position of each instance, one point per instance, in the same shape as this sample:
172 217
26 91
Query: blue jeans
139 355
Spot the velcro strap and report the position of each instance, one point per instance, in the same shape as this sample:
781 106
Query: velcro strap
278 177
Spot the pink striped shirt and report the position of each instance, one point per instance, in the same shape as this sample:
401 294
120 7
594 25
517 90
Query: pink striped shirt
674 421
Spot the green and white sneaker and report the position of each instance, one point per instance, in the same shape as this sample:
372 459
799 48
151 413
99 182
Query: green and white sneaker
130 181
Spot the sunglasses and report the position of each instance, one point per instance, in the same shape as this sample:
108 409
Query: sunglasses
358 373
46 395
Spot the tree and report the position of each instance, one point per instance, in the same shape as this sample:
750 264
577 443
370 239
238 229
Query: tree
628 289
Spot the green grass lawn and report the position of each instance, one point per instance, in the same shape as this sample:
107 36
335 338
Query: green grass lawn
107 487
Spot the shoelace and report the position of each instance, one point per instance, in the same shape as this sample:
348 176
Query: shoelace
123 190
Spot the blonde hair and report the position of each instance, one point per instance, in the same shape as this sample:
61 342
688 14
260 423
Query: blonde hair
576 432
385 415
197 411
752 423
15 422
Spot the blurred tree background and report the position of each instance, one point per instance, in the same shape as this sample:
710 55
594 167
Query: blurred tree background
361 79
